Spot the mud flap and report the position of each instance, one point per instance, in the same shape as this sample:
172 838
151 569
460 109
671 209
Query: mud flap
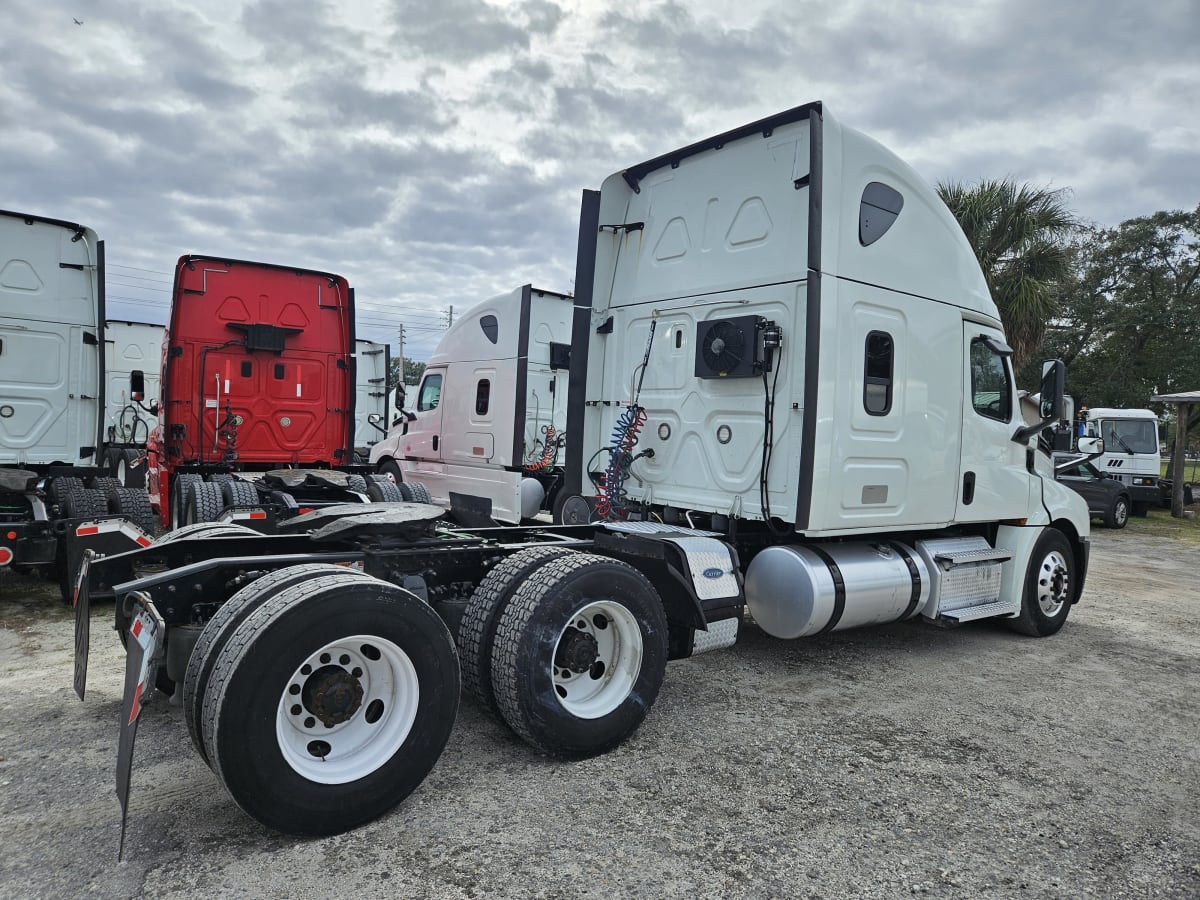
83 623
145 652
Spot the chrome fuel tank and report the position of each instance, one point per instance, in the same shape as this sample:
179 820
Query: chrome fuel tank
797 591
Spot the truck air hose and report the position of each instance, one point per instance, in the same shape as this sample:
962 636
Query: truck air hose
609 489
549 452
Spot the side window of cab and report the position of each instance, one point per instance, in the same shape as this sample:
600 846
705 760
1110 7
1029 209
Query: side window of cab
991 379
431 393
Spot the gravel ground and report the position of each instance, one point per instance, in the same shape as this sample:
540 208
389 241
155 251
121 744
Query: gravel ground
874 763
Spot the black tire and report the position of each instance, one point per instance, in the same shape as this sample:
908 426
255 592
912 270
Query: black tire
107 486
420 493
381 490
356 483
85 503
532 642
61 487
477 631
204 502
134 505
571 509
1049 582
206 529
236 492
219 478
227 618
180 489
244 715
82 503
391 469
406 491
1117 515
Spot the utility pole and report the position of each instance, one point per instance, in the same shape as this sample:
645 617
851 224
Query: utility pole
401 382
450 316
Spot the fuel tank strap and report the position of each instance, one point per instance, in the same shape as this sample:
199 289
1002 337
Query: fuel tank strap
839 588
915 574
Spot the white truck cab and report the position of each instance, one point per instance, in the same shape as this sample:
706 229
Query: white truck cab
483 431
1131 453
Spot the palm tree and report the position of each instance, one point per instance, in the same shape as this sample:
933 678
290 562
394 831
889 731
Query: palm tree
1020 236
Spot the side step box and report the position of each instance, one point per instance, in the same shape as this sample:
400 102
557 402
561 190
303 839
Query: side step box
966 574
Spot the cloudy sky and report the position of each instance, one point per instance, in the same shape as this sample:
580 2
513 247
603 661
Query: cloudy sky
434 152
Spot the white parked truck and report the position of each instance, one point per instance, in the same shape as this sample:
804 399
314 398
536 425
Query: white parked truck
1130 451
487 425
54 475
789 391
372 362
129 421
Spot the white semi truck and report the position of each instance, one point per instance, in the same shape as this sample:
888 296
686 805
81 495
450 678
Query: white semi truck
129 421
486 428
54 474
1130 451
789 392
372 362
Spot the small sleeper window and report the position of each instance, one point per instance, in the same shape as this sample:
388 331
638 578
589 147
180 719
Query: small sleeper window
279 371
491 328
877 374
247 369
877 211
483 396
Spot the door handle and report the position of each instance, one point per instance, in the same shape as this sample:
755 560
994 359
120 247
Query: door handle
435 442
968 488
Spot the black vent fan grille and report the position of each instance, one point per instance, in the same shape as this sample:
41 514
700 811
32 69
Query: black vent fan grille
728 348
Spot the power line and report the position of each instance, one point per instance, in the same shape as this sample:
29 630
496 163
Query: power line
136 269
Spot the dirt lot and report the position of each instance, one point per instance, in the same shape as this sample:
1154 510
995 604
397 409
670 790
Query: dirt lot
875 763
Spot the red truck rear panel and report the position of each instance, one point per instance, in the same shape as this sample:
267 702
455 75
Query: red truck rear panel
270 344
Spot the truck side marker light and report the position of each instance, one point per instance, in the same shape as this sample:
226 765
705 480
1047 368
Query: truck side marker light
6 556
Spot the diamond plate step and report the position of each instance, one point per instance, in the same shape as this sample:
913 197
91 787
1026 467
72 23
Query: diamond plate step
985 611
964 557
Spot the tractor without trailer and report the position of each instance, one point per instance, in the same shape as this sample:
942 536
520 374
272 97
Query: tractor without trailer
130 347
256 415
1130 454
486 432
372 365
792 394
56 471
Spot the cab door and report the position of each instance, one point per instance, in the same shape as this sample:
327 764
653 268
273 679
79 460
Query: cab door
994 482
422 444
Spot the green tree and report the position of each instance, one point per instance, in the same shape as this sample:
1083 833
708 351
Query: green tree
413 371
1020 236
1131 311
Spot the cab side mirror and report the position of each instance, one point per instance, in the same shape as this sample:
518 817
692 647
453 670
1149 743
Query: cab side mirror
1053 378
137 385
1091 446
399 397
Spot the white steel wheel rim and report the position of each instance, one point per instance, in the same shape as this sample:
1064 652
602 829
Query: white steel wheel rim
1122 512
122 472
615 665
1054 584
374 727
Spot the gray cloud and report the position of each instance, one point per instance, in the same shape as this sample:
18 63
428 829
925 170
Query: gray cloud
434 154
462 30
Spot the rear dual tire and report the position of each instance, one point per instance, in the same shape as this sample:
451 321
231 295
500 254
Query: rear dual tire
579 655
329 703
